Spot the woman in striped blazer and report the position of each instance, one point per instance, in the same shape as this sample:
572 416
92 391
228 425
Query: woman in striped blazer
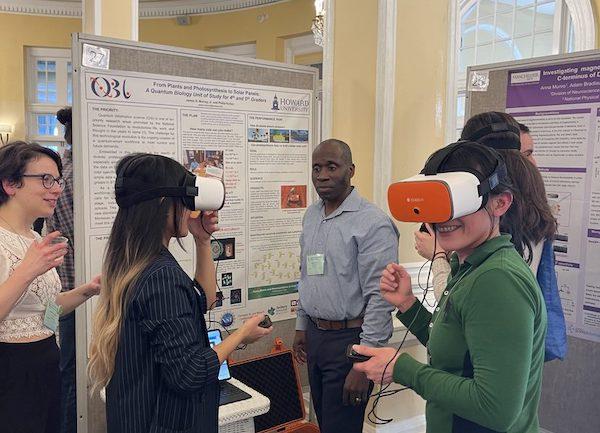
150 347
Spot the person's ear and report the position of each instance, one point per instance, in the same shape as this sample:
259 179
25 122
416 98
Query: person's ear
351 171
10 188
500 203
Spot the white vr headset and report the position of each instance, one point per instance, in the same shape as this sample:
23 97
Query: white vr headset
434 197
197 193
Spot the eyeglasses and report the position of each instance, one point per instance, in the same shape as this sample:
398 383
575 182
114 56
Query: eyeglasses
48 180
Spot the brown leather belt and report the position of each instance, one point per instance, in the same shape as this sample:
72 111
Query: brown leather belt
336 325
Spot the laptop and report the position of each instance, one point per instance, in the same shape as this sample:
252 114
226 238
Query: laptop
229 393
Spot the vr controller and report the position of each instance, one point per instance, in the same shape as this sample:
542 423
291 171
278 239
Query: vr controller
266 322
354 356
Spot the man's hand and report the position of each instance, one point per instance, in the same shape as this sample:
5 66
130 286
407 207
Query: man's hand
356 389
299 347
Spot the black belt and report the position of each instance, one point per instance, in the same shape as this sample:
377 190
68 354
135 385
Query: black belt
336 325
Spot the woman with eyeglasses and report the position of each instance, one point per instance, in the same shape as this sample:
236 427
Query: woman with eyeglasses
30 298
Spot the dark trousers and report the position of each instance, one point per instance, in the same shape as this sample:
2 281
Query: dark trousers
68 388
327 371
29 387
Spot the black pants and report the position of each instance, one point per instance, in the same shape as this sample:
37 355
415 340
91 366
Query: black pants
327 371
68 388
30 387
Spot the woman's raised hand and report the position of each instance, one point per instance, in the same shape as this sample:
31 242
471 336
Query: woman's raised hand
396 288
42 256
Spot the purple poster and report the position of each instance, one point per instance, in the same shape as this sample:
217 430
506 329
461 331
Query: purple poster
561 106
573 83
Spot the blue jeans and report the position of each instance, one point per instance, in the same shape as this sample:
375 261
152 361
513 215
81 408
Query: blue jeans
68 387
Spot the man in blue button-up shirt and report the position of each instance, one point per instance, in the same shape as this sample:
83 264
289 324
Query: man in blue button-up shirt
345 244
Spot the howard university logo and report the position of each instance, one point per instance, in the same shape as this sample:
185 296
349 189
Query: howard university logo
109 88
275 103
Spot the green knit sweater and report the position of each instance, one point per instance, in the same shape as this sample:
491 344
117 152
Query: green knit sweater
485 343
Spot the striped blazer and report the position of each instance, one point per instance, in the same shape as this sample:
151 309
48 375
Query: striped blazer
166 375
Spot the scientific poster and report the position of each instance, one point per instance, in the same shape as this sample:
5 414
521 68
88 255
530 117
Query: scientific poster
561 106
257 139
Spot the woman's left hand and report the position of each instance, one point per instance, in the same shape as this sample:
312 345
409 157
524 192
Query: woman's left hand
373 368
204 225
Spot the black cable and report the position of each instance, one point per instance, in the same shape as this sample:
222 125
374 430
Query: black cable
427 286
431 264
219 291
383 389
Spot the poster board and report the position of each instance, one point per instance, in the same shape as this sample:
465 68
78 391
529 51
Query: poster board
558 98
248 122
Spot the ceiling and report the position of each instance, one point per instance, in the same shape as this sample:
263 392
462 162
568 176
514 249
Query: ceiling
238 3
147 8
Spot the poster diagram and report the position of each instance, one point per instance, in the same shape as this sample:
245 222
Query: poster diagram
560 205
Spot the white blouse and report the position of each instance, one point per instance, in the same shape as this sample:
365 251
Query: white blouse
26 319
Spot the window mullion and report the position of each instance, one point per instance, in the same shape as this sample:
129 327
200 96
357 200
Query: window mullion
40 116
494 23
514 22
61 82
560 27
533 33
476 33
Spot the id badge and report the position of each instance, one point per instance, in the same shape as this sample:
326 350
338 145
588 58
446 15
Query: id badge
315 264
52 315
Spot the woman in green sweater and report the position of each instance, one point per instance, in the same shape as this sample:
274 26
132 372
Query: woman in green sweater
485 339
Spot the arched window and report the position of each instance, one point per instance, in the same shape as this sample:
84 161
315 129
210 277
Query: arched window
491 31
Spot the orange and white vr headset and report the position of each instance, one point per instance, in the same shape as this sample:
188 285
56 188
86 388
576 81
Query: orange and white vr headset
437 197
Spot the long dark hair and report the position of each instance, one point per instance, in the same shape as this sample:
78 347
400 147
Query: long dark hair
136 239
536 222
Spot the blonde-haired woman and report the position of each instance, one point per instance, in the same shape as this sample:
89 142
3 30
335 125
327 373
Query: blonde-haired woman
150 346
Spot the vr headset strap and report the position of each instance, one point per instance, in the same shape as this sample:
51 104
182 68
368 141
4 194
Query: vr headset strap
433 165
494 142
146 192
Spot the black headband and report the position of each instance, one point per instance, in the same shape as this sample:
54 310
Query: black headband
144 191
486 183
513 143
